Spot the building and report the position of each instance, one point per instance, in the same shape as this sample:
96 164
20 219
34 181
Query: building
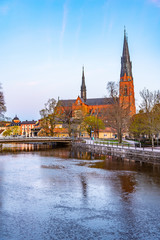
14 127
26 128
15 122
96 106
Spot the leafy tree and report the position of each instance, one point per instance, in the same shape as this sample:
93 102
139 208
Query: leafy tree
93 123
49 117
7 132
137 125
117 115
16 130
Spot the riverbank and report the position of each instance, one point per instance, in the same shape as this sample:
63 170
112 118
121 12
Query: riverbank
148 155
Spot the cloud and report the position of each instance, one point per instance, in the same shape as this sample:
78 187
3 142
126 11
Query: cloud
156 2
4 9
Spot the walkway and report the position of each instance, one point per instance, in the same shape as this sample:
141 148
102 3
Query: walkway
123 146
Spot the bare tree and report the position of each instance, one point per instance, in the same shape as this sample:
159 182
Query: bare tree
151 107
66 115
49 117
117 114
149 99
2 103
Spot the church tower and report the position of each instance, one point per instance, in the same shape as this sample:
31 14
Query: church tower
83 87
126 86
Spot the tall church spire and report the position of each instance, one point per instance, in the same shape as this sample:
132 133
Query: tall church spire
126 64
126 85
83 86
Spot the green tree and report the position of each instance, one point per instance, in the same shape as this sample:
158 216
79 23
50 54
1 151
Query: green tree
93 123
16 130
7 132
137 125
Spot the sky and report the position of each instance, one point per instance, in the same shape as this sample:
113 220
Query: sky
45 43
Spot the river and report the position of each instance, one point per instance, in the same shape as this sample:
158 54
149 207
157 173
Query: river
61 193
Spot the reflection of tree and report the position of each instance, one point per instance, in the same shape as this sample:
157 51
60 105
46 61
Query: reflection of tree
127 184
84 186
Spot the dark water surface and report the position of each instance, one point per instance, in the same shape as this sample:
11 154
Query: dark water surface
62 194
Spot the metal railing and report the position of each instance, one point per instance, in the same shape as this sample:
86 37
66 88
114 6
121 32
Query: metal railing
122 145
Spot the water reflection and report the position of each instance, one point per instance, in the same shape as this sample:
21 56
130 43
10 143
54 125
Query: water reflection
84 185
6 148
50 192
128 184
107 162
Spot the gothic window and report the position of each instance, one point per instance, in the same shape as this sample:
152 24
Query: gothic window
125 91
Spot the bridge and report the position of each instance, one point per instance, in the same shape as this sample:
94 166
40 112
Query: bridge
20 139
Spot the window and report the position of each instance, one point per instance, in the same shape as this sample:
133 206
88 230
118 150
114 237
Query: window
125 91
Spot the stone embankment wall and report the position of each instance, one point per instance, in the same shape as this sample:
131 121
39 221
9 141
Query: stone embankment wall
136 154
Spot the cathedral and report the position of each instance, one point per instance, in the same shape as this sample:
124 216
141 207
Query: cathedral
126 89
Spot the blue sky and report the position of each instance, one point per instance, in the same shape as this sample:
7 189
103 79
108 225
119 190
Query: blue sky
44 43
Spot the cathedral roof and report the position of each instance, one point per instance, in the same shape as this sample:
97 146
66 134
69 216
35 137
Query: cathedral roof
89 102
28 122
99 101
67 103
